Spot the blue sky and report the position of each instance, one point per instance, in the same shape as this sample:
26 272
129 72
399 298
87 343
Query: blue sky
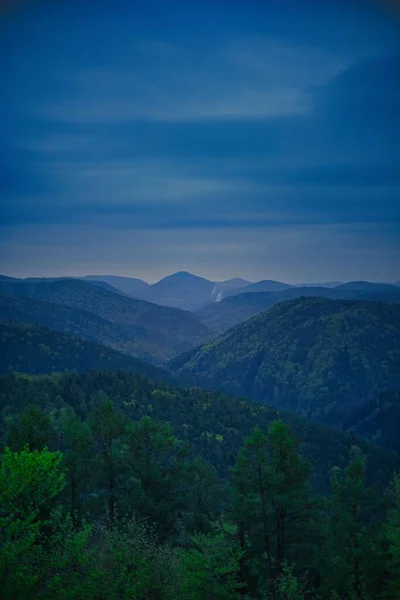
227 138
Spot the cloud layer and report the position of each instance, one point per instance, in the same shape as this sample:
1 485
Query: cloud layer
201 123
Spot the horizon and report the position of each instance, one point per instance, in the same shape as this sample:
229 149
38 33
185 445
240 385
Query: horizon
212 137
216 281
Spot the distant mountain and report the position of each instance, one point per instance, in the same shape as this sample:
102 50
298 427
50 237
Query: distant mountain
233 310
34 349
366 286
266 285
99 283
182 290
316 357
145 330
137 288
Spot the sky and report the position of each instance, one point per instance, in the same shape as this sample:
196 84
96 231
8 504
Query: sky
226 138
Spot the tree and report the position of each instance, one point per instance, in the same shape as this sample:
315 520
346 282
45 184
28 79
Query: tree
159 479
205 497
289 491
251 510
347 542
75 444
108 428
33 429
29 483
210 569
271 503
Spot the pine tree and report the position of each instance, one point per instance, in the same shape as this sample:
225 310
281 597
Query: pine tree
346 534
159 476
108 428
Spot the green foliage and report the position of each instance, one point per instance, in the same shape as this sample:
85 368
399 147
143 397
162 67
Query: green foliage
159 479
33 429
348 548
233 418
211 568
271 505
29 482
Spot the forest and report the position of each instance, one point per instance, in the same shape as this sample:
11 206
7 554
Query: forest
112 486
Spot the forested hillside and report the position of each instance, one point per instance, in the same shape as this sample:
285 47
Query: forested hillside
139 328
101 498
214 424
34 349
320 358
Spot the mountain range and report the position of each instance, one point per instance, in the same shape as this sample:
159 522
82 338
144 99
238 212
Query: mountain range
191 292
139 328
330 354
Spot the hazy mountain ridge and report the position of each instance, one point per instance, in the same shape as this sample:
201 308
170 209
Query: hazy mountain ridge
236 309
140 328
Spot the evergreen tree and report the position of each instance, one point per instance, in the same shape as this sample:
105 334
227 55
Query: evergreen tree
346 535
289 495
159 475
108 428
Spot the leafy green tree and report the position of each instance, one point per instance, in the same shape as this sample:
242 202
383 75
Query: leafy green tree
29 484
288 586
210 569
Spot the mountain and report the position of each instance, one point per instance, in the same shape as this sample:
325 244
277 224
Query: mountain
215 425
137 288
15 280
182 290
140 328
315 357
34 349
266 285
366 286
232 310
